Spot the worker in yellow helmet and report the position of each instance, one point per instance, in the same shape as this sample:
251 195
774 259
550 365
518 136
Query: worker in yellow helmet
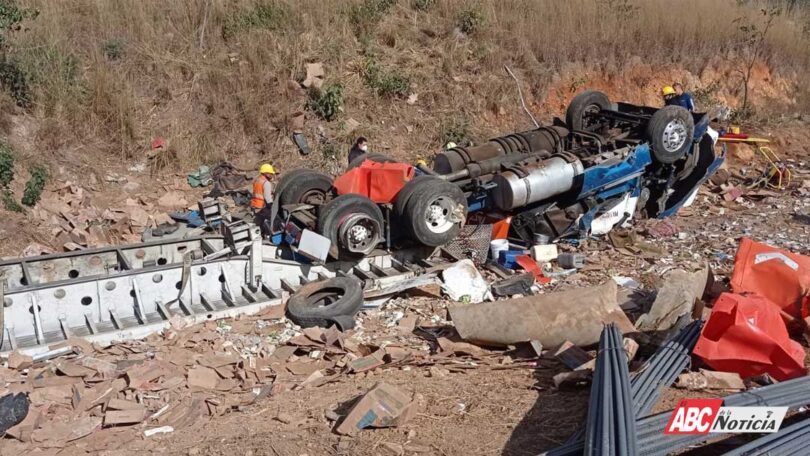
669 94
262 197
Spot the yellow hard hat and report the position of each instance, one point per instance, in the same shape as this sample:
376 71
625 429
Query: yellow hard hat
667 90
267 169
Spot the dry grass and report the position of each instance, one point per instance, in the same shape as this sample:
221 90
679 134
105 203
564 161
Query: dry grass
213 76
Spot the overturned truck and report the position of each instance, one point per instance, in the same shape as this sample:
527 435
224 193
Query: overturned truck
602 165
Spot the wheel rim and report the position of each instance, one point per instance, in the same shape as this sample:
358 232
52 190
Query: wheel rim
438 217
314 197
587 116
674 135
359 233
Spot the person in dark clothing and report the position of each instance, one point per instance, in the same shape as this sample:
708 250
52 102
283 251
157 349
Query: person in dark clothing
682 98
359 148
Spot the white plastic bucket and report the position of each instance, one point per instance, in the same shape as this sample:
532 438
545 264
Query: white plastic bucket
496 246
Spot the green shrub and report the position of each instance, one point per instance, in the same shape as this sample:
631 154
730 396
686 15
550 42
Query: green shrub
422 5
6 164
385 83
264 15
113 49
457 130
326 102
469 21
34 186
15 83
9 203
364 15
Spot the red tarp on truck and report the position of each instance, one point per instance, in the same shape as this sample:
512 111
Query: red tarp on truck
380 182
747 335
781 276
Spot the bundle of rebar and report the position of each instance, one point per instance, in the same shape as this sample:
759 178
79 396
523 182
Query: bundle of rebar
787 441
611 425
652 440
659 371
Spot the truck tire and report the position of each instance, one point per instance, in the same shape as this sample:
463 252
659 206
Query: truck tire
373 156
434 213
333 301
304 186
587 102
351 219
401 200
670 133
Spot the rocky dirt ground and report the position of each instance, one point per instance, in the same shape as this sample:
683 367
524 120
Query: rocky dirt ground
259 386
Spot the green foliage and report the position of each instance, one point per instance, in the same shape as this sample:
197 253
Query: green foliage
14 81
326 103
330 151
470 21
113 49
266 15
422 5
9 203
364 15
705 96
457 130
6 164
385 83
10 17
34 186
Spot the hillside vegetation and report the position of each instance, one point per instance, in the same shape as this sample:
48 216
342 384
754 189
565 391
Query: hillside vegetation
89 82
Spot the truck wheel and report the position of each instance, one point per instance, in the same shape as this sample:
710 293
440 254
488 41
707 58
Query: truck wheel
304 186
434 213
353 223
670 132
335 300
401 200
373 156
591 101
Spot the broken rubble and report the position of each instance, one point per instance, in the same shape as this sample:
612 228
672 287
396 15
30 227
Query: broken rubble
382 406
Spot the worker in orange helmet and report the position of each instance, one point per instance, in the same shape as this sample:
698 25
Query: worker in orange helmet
262 197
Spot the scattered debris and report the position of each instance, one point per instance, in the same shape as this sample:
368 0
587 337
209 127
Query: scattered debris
675 299
382 406
542 318
706 379
463 282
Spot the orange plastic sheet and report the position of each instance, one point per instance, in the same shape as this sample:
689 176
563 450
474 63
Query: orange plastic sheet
747 335
781 276
380 182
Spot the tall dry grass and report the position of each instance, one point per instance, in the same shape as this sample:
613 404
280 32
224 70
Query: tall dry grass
214 76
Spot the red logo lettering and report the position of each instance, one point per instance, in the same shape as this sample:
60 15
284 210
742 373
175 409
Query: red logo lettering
693 416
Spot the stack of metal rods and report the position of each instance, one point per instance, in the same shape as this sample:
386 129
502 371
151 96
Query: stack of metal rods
659 371
652 440
611 425
788 441
663 368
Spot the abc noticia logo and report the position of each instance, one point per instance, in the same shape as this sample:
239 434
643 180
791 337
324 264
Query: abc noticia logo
703 416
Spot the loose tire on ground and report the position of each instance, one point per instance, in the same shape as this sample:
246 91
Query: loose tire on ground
304 186
333 301
336 212
373 156
670 133
435 212
582 104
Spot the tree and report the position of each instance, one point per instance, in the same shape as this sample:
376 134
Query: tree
754 32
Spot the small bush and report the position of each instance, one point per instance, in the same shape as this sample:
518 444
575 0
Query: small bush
34 186
326 103
422 5
469 21
705 96
10 17
385 83
455 130
364 15
15 83
6 164
113 49
9 203
264 15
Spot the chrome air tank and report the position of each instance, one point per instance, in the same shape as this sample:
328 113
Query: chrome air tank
529 183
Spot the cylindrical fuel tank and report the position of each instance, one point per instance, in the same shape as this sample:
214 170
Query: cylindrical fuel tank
532 141
540 181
